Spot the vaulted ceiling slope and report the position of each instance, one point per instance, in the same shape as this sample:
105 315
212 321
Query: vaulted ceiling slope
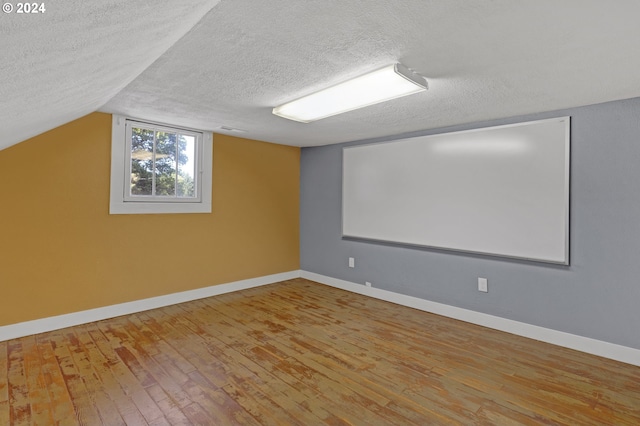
207 65
68 61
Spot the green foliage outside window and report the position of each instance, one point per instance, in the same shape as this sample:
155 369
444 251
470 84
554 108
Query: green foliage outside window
171 166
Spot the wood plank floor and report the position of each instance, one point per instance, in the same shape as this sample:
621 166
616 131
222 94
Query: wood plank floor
302 353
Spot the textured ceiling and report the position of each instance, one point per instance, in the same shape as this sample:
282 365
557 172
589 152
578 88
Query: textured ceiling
67 62
158 60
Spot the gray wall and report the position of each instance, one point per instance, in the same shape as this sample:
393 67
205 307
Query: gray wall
597 296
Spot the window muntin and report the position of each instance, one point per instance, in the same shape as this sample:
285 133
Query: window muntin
163 163
194 157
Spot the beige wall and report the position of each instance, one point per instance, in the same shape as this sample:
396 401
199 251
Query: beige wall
61 251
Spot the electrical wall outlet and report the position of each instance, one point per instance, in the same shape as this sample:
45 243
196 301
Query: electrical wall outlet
483 285
352 262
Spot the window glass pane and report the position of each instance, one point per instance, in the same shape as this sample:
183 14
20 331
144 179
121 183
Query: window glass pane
186 166
141 161
166 164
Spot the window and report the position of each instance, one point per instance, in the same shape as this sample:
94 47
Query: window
159 168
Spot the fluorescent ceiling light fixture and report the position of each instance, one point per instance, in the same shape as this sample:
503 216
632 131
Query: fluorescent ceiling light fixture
390 82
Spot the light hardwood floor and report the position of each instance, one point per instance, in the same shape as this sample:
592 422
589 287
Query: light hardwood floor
299 352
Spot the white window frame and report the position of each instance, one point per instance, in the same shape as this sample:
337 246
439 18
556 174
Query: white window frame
121 202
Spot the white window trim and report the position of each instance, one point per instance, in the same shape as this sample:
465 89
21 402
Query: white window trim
120 205
129 125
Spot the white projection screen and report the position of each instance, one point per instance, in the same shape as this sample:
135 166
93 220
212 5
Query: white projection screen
501 191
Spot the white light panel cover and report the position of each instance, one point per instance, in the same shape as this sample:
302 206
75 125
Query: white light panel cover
390 82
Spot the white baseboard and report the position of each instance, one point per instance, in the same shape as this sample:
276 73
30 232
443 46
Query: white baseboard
42 325
559 338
